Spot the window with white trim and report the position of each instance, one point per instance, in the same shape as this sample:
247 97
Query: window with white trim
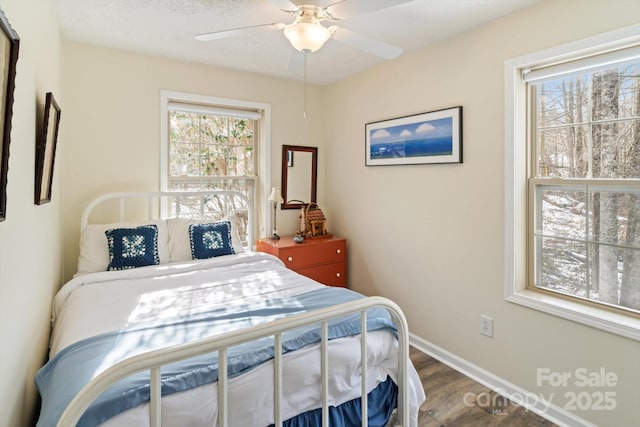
212 144
585 178
573 181
212 148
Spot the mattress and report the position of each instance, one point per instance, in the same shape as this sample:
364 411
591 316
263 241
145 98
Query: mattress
107 303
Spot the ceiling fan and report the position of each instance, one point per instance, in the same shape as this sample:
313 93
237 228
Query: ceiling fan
307 34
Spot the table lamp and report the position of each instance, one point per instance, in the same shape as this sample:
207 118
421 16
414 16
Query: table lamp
275 197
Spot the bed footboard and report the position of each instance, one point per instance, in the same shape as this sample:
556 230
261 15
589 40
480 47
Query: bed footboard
152 361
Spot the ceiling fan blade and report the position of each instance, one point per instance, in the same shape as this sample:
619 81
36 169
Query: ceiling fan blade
283 4
347 8
375 47
216 35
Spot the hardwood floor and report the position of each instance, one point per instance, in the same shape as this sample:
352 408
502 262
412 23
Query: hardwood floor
454 400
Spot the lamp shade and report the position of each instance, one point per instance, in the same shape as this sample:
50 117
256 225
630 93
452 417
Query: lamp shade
307 36
275 195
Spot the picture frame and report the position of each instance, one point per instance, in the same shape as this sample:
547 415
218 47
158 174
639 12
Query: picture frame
9 46
426 138
46 150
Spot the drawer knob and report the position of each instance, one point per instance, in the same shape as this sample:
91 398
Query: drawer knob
290 259
338 274
338 251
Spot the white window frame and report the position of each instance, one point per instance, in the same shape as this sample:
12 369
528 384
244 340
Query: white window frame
263 183
517 170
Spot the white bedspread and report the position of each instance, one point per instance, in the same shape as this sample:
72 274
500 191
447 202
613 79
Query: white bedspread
102 302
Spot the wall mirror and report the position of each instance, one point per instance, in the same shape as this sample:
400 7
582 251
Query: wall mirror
299 175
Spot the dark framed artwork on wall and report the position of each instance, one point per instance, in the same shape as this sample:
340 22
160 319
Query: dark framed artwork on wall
46 150
9 43
433 137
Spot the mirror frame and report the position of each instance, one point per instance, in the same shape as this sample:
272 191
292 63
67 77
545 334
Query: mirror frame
285 174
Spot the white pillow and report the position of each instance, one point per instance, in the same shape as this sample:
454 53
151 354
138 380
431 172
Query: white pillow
179 244
94 249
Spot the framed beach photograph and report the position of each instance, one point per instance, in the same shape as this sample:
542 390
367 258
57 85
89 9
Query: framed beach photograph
433 137
46 150
9 43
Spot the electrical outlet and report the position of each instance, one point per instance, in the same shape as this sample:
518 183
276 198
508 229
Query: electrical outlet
486 326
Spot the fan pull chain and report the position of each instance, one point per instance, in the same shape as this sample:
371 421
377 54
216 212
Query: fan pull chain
304 107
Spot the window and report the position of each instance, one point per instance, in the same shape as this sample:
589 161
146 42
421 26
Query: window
573 181
213 144
212 148
585 143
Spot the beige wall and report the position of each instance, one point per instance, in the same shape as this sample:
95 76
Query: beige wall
431 236
112 124
30 237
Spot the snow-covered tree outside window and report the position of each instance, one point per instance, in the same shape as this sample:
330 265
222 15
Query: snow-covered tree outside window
584 200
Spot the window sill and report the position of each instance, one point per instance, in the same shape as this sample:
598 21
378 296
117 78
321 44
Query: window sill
605 320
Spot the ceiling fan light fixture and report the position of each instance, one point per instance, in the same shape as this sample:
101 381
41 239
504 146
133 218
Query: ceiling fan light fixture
307 36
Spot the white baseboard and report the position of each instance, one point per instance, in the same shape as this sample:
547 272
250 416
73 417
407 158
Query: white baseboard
511 391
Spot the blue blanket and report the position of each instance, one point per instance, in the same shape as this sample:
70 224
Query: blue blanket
65 374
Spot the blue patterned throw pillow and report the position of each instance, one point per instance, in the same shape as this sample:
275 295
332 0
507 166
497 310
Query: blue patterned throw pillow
132 247
210 240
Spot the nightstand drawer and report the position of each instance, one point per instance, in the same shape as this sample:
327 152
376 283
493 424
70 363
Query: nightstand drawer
308 254
329 274
323 260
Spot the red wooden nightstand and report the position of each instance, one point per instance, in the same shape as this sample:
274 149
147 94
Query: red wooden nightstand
323 259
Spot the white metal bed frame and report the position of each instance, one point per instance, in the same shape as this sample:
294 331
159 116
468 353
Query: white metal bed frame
153 360
158 203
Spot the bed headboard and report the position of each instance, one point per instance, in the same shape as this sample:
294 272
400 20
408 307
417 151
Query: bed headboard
201 205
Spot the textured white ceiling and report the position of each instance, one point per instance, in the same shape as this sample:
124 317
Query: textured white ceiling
167 27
